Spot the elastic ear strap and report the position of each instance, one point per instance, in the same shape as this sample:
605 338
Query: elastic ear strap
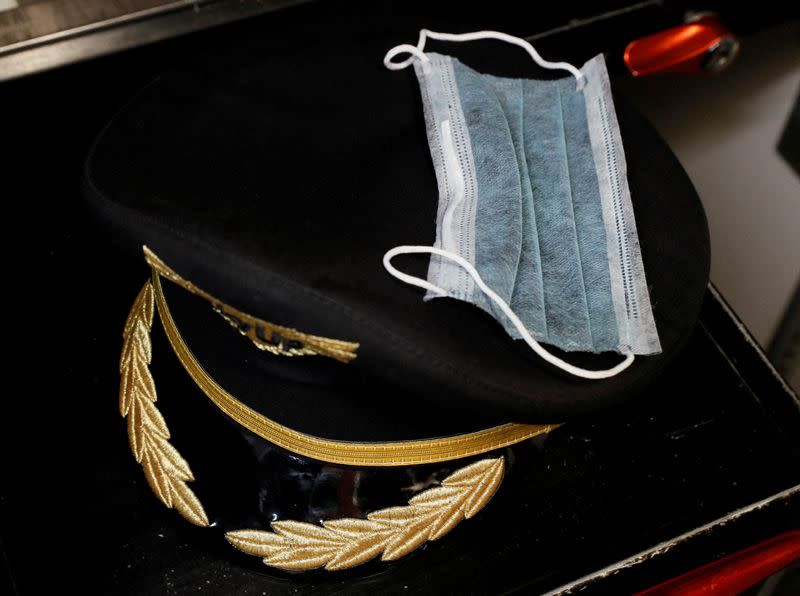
418 51
403 48
515 320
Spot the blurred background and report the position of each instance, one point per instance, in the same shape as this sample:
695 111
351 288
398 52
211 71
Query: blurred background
726 130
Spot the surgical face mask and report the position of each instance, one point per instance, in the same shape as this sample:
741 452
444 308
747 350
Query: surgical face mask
535 223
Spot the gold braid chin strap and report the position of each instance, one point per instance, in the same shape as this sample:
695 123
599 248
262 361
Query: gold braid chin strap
395 453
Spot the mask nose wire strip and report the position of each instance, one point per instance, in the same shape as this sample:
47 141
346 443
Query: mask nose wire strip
470 269
418 51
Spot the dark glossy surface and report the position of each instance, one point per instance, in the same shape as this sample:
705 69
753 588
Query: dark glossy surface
76 515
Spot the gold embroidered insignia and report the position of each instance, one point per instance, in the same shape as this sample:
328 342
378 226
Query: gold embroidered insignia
166 471
391 533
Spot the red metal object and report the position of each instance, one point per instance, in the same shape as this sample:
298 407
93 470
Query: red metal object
702 45
736 572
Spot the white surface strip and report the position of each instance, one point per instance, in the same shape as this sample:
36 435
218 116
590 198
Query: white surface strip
7 4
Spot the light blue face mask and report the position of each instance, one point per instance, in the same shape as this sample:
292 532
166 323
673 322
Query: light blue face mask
535 223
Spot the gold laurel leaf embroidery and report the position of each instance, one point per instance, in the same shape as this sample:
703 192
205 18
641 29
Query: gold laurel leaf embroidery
164 468
392 533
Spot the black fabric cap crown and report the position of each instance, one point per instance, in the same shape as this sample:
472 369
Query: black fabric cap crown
275 175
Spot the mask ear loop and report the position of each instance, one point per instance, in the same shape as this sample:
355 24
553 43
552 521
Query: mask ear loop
403 48
473 273
418 51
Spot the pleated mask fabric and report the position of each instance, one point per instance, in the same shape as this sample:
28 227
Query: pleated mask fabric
533 193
